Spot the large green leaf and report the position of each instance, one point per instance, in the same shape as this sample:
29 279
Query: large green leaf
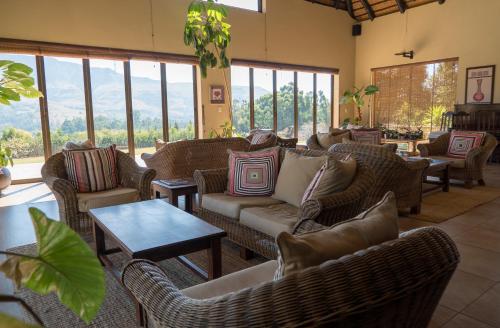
371 89
65 264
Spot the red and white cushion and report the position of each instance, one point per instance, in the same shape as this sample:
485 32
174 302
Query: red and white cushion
93 169
461 142
367 137
253 173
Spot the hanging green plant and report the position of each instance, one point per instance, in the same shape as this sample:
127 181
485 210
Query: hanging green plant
16 82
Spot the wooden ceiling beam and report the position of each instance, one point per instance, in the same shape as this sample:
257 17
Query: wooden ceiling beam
401 6
368 8
350 10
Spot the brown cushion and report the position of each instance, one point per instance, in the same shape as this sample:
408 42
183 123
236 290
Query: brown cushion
372 227
270 220
117 196
70 145
230 206
326 140
296 173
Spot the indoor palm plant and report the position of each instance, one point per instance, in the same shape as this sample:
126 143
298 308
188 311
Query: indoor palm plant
356 97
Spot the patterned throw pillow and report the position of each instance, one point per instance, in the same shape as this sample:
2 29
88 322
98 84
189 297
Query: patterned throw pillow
92 170
260 137
253 173
367 137
461 142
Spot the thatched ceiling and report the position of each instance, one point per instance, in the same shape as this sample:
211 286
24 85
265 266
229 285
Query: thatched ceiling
370 9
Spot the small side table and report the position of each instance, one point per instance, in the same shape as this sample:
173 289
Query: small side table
173 189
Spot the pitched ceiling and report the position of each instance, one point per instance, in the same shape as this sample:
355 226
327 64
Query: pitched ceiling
362 10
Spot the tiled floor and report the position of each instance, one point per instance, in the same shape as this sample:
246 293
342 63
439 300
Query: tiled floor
472 298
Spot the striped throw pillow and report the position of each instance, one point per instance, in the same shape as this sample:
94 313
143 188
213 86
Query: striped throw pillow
260 137
253 173
93 169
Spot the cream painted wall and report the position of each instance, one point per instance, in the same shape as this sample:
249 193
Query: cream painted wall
290 31
458 28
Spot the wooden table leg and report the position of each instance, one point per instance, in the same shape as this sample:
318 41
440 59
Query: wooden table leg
446 179
100 243
174 199
157 194
189 203
214 259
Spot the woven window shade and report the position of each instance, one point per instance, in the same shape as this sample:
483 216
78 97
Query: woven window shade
414 96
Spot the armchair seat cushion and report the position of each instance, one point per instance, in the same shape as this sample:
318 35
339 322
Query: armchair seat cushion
231 206
458 163
233 282
270 220
117 196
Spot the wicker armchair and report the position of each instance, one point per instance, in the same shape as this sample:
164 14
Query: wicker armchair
274 140
392 173
474 162
395 284
181 158
327 211
130 175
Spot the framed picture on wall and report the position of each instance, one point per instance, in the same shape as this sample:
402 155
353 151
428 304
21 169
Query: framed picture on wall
217 94
480 84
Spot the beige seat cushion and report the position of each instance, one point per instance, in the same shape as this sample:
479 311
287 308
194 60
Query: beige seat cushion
296 173
372 227
231 206
233 282
326 140
458 163
117 196
270 220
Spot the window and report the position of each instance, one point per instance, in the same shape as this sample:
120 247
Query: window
255 5
415 96
293 103
66 101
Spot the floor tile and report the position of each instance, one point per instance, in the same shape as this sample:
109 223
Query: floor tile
481 262
480 237
486 308
406 224
463 289
462 321
441 316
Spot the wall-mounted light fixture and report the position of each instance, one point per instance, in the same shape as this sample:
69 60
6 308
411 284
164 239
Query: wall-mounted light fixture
406 54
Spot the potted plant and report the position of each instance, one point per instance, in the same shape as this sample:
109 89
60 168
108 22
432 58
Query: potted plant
356 97
5 159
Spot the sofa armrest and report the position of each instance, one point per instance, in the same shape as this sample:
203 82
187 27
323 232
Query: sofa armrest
435 148
210 181
479 156
134 176
65 195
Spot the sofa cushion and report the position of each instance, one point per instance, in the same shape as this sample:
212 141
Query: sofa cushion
326 140
231 206
461 142
372 227
458 163
260 137
233 282
253 173
117 196
71 145
270 220
296 173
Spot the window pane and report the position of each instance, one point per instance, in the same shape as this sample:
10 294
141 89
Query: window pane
324 102
263 98
305 85
180 101
285 103
21 129
146 104
240 89
108 98
66 101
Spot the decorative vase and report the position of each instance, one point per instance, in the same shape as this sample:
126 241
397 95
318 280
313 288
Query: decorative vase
5 178
479 95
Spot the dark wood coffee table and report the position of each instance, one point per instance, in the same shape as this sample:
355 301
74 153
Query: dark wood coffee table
437 168
173 191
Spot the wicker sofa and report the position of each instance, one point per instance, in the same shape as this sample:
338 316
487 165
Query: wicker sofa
469 169
180 159
135 184
253 222
392 173
313 143
395 284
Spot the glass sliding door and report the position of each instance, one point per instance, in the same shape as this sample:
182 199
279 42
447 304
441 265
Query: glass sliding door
285 103
323 102
263 98
108 99
240 91
21 129
146 104
180 99
305 84
66 101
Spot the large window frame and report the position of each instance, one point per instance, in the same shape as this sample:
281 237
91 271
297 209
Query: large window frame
42 49
315 70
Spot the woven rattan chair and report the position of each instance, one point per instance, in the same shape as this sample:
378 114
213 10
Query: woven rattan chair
130 175
274 140
180 159
327 211
392 173
474 162
395 284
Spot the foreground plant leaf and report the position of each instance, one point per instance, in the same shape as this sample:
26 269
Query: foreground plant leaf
12 322
65 264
